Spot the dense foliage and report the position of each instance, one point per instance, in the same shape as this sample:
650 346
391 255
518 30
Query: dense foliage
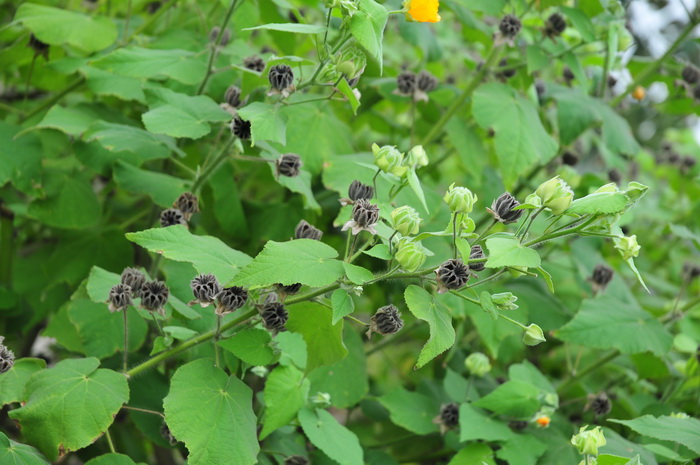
291 232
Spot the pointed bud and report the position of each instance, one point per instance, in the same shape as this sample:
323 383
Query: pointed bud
533 335
588 442
627 246
460 199
389 160
555 194
410 255
406 220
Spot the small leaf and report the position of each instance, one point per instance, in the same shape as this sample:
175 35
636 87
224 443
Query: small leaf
547 278
442 334
474 454
111 459
12 382
488 306
513 398
267 122
411 410
380 251
367 27
285 393
342 304
251 345
290 27
475 425
15 453
335 440
357 274
414 182
510 252
346 90
324 340
601 203
161 187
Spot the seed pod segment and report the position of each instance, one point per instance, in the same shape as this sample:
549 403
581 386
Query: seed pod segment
274 316
452 275
134 279
230 299
205 288
119 298
154 295
306 231
387 320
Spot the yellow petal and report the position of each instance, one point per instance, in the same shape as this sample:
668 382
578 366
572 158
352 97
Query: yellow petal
425 11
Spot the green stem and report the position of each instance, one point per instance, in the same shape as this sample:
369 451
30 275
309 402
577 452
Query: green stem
153 412
126 340
557 234
109 442
155 320
217 333
50 102
212 167
7 218
517 323
468 299
126 23
532 220
586 371
215 46
347 245
483 233
161 11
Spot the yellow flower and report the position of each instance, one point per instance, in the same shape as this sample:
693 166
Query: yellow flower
424 11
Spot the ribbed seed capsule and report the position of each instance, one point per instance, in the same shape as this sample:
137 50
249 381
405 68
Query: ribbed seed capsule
503 211
119 298
274 316
305 231
172 217
452 275
154 295
406 82
365 214
281 77
476 253
517 425
288 290
359 191
240 128
426 82
601 277
233 96
449 415
614 176
510 26
690 74
387 320
288 165
296 460
254 63
568 75
556 24
600 404
134 279
7 358
187 203
231 299
205 288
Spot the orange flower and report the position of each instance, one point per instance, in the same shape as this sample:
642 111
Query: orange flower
424 11
543 422
638 93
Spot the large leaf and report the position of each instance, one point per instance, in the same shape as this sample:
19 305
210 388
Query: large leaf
74 206
685 431
286 390
474 454
412 410
513 398
267 122
58 26
180 115
70 405
324 341
20 158
521 141
251 345
14 453
212 414
12 382
342 304
162 188
181 65
122 138
112 459
475 425
367 27
299 261
509 252
426 308
522 449
335 440
608 323
207 254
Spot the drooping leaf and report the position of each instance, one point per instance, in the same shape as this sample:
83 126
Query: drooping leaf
120 138
510 252
412 410
513 398
285 392
181 65
74 206
426 308
324 341
162 188
602 203
290 27
474 454
685 431
335 440
475 425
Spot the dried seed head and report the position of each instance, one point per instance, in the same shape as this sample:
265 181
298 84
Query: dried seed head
233 96
296 460
172 217
569 158
231 299
690 74
7 358
305 231
426 82
691 270
240 128
205 288
274 316
288 290
502 209
39 47
600 404
612 81
364 217
687 164
476 253
166 434
119 297
449 415
406 82
187 203
281 77
154 295
555 25
214 36
254 63
506 73
614 176
568 74
288 164
601 277
387 320
517 425
510 26
452 275
152 7
359 191
134 279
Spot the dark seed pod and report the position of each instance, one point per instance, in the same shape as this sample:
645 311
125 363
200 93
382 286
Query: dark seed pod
601 277
7 358
691 270
205 288
612 81
687 164
214 36
452 275
231 299
134 279
154 295
569 158
426 82
674 157
555 25
502 209
406 82
274 316
365 214
288 290
39 47
281 77
119 297
305 231
296 460
254 63
506 73
541 89
449 415
359 191
615 176
517 425
172 217
152 7
233 96
387 320
167 435
601 404
476 253
288 164
240 128
187 203
510 26
690 74
568 75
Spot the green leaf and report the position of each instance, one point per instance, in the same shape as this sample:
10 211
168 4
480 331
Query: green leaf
342 304
251 345
335 440
522 450
300 184
608 323
357 274
58 26
415 184
581 23
74 206
208 254
684 431
601 203
70 405
426 308
510 252
111 459
121 138
12 382
537 59
285 393
113 85
267 122
162 188
411 410
73 120
380 251
488 305
290 27
181 65
475 425
299 261
324 341
474 454
521 141
367 27
20 159
15 453
346 90
513 398
212 414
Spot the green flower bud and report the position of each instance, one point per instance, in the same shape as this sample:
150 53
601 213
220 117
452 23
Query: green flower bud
417 157
460 199
410 255
555 194
534 200
405 220
533 335
591 461
389 159
634 192
477 364
321 399
505 301
347 68
627 246
588 442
